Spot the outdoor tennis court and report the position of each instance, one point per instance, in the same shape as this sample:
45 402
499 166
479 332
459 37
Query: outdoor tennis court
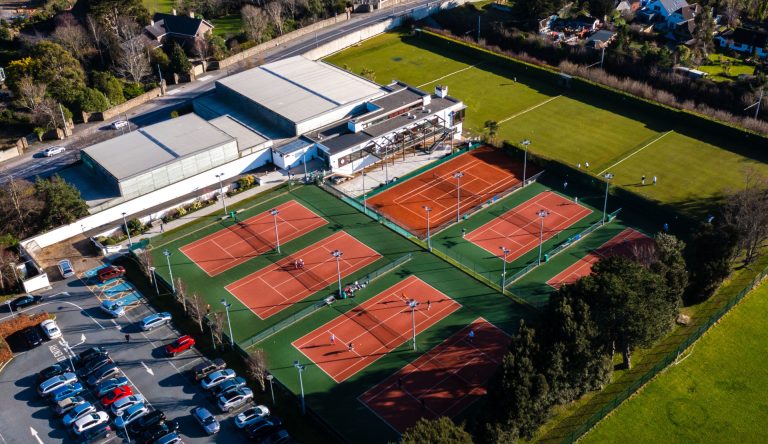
625 243
229 247
280 285
444 381
487 173
374 328
519 229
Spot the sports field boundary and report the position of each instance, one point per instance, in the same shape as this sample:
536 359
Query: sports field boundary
296 317
520 113
466 68
656 139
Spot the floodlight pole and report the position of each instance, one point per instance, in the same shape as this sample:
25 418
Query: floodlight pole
304 161
608 177
271 389
365 199
506 251
221 192
274 212
458 175
337 254
542 214
429 239
127 231
413 303
167 255
525 144
226 307
154 279
300 367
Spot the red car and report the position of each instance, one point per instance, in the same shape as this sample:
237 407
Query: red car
180 345
114 395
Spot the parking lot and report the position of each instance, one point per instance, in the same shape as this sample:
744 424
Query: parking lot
164 382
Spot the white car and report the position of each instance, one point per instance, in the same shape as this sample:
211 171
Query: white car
54 150
77 413
124 403
113 308
217 378
117 124
55 383
155 320
131 414
251 415
89 421
65 268
50 329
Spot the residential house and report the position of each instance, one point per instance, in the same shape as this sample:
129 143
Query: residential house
627 7
185 30
744 40
660 10
601 39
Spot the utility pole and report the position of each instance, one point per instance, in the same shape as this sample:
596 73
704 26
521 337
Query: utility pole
759 102
63 119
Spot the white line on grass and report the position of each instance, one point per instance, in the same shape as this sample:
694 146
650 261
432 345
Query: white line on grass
528 109
448 75
636 151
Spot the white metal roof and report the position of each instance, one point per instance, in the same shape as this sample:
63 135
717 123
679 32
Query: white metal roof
246 137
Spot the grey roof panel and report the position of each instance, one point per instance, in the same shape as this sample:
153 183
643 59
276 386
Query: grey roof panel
246 137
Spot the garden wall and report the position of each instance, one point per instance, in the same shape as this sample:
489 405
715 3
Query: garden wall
117 110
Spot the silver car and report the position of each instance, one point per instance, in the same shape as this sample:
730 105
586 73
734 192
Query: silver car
206 419
234 399
55 383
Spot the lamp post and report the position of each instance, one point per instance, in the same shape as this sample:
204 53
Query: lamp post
271 389
304 161
458 175
226 307
221 192
429 240
154 279
505 251
274 214
413 303
542 214
338 254
125 426
167 255
10 309
69 355
525 144
608 177
127 231
365 199
300 367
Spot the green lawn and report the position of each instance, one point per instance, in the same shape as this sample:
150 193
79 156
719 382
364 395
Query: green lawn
154 6
228 26
715 69
695 163
716 394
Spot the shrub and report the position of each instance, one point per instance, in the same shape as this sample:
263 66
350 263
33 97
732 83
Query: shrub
131 90
181 211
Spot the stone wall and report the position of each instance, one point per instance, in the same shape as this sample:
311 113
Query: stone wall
117 110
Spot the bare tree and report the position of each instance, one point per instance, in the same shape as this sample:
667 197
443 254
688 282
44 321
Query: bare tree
20 207
196 310
731 10
97 33
181 293
293 7
33 97
746 212
203 49
72 36
274 10
132 59
256 367
255 22
8 261
216 322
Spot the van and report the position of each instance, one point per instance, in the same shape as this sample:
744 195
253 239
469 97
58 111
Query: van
110 272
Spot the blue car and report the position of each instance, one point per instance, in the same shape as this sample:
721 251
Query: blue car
67 391
110 384
78 412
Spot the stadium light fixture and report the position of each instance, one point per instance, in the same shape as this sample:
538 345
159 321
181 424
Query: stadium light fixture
338 254
525 144
458 175
413 303
429 240
167 255
505 251
542 215
274 212
300 367
227 305
608 177
127 231
221 192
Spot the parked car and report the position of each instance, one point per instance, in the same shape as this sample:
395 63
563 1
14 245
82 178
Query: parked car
50 329
206 419
32 337
89 421
54 370
264 428
110 272
110 384
155 320
104 373
53 150
217 378
234 399
131 414
180 345
171 438
114 395
113 308
200 371
91 352
51 385
94 364
78 412
67 391
279 436
160 430
100 433
66 405
65 268
117 124
150 419
25 301
251 415
123 403
91 360
229 384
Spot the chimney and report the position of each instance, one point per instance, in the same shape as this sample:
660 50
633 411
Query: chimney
173 11
151 22
191 14
441 91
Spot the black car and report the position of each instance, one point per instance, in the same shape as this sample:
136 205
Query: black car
25 301
90 359
152 418
32 337
93 366
158 431
91 352
262 429
100 433
54 370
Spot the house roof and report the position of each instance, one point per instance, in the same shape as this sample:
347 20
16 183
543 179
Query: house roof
177 24
601 36
750 37
672 5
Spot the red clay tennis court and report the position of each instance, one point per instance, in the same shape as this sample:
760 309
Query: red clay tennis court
280 285
623 244
487 173
442 382
519 228
227 248
374 328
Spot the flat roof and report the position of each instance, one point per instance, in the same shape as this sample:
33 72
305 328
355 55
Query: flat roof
298 88
150 147
246 137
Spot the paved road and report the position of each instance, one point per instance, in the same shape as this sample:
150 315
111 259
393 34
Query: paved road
163 382
159 109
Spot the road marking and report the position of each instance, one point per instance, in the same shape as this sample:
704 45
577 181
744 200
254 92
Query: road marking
146 367
117 326
204 78
173 91
63 302
34 435
636 151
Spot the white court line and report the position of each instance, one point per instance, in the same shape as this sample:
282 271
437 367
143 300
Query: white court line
448 75
636 151
518 114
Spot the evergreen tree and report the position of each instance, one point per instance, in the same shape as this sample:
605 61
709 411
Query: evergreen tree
437 431
180 64
63 204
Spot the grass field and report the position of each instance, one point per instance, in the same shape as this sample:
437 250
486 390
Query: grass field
717 394
693 165
715 69
228 26
159 5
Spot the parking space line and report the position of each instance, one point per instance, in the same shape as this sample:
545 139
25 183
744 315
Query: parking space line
194 361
